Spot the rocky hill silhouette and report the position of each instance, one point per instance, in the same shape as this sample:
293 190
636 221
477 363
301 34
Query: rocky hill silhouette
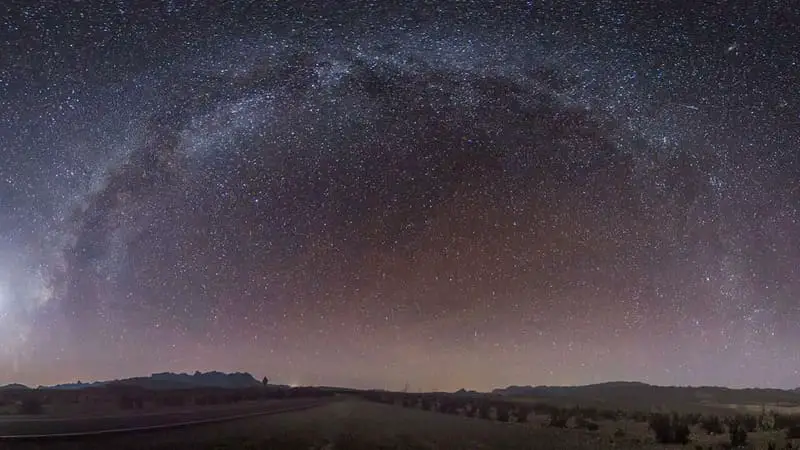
633 395
170 380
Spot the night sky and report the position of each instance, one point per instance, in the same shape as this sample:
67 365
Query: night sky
363 195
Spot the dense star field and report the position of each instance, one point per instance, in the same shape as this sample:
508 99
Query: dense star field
352 194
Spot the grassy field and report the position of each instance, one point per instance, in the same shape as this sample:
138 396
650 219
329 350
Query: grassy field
356 424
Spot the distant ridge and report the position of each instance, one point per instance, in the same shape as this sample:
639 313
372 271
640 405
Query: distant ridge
169 380
13 386
636 393
542 389
465 392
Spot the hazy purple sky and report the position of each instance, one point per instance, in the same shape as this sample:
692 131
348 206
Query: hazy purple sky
344 194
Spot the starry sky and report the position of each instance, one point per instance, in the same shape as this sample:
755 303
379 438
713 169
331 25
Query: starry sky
446 195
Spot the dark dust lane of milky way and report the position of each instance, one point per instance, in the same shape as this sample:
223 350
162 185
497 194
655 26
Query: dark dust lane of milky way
363 195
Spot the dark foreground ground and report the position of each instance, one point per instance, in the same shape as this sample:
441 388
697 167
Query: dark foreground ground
21 426
352 424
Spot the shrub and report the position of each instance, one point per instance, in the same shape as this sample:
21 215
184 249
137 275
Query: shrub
712 424
483 411
738 434
661 426
682 433
581 422
558 422
522 414
426 404
557 419
670 430
502 413
750 423
619 433
691 419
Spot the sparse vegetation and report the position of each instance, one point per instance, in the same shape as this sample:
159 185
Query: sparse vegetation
581 422
609 428
483 411
712 424
738 433
670 429
591 426
521 414
558 419
502 412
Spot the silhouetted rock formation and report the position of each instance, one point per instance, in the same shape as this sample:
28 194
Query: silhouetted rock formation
169 380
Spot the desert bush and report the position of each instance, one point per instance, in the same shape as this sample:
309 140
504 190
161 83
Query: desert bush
502 412
619 433
662 427
748 422
558 420
426 404
682 433
447 407
712 424
522 414
483 411
670 430
581 422
737 433
751 422
692 419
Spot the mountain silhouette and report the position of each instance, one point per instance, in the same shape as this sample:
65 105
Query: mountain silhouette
169 380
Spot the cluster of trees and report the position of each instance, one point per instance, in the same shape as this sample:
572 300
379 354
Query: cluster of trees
671 428
675 428
489 408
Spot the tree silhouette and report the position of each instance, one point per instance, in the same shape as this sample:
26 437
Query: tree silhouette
738 434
